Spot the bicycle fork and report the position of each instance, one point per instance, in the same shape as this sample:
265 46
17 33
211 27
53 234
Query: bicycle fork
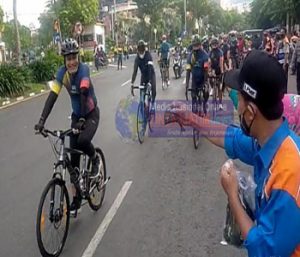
142 104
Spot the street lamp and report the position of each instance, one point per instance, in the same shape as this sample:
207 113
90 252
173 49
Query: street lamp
155 31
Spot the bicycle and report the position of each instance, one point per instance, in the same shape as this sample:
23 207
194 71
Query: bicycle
199 92
163 72
143 112
214 82
57 210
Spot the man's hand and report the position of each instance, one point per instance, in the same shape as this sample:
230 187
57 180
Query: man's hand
80 124
40 125
229 179
182 113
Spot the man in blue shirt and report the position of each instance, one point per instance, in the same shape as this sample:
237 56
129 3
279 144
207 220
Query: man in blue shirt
164 53
265 142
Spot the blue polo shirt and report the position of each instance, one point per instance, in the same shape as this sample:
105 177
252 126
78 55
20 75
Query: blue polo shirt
277 197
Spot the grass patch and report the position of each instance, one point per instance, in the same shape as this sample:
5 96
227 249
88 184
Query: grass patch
30 88
34 88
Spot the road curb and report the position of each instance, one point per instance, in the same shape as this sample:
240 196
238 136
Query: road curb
22 99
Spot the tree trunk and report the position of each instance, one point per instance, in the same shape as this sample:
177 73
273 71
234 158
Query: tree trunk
18 50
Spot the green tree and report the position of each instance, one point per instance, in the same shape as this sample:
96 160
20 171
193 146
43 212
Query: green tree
17 35
1 20
71 11
45 33
9 36
200 10
268 13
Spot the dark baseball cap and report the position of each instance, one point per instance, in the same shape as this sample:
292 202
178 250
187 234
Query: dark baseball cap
261 80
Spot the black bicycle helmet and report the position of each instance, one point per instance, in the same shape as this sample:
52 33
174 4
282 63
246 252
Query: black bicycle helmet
69 46
214 41
196 40
141 47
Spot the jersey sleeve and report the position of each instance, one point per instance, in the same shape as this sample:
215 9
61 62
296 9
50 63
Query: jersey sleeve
85 77
239 146
58 82
189 61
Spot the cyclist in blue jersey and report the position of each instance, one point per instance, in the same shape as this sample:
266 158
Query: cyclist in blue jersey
164 54
75 77
197 65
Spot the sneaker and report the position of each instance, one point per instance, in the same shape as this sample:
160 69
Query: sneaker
152 108
211 92
168 83
75 206
95 166
221 107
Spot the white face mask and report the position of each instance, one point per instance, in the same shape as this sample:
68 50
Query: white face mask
142 55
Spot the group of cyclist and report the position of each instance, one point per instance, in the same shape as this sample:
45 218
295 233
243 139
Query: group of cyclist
206 57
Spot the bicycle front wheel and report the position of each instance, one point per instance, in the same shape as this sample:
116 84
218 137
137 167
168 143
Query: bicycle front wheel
53 218
196 136
141 122
97 185
215 101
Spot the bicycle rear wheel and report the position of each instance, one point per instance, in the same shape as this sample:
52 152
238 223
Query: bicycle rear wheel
53 218
164 78
215 101
141 122
196 137
97 185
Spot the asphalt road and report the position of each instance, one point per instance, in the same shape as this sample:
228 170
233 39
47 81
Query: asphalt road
174 207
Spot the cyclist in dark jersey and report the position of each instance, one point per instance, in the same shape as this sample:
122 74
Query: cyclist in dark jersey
75 77
226 52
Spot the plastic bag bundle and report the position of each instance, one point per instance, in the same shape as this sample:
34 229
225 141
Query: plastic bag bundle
247 186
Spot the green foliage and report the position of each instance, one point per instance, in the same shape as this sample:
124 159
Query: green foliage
109 43
52 57
46 28
72 11
268 13
12 81
88 56
26 72
44 70
10 39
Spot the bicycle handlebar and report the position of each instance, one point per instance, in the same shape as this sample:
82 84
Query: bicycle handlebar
143 86
58 133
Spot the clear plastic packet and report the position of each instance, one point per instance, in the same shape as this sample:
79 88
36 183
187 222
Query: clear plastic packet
231 231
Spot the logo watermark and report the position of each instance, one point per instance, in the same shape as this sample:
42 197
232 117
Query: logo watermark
211 124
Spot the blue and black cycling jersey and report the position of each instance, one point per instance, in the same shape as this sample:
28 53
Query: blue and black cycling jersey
164 50
197 62
77 85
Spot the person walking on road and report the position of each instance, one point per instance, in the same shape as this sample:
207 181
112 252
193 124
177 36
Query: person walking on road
295 64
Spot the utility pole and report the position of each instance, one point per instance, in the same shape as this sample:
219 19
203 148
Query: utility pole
116 21
184 16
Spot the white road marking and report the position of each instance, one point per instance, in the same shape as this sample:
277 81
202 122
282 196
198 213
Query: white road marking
125 83
90 250
115 65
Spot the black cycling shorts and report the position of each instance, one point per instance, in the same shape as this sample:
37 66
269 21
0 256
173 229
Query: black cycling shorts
165 62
